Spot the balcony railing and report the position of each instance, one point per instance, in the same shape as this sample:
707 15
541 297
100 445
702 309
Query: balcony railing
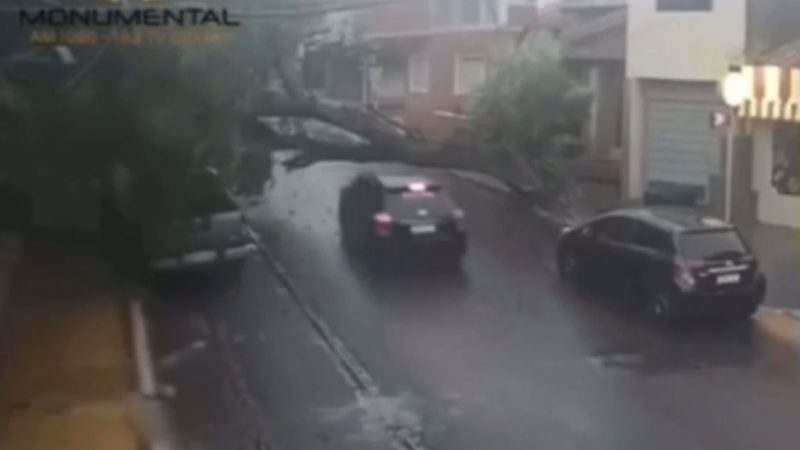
592 3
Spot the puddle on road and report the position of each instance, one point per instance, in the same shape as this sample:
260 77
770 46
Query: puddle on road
647 363
376 415
619 361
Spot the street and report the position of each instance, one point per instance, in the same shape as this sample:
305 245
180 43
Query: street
330 353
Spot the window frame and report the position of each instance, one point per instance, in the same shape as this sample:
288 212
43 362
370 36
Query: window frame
458 88
421 86
785 162
639 239
625 237
684 6
680 244
454 14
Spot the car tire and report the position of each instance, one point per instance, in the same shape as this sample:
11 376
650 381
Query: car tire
346 235
661 307
567 265
745 315
453 258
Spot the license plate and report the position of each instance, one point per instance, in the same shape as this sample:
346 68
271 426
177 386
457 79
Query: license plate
730 278
423 229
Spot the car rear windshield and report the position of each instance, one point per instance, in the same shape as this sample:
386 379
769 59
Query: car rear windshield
710 245
406 205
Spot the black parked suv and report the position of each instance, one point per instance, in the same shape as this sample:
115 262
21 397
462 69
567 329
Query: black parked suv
677 262
402 215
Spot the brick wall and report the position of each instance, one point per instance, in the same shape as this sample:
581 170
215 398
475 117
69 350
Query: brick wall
442 50
402 16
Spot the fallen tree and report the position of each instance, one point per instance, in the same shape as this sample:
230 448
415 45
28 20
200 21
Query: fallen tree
162 112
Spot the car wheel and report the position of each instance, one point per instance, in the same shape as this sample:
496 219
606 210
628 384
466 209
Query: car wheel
346 235
660 307
567 265
745 315
454 257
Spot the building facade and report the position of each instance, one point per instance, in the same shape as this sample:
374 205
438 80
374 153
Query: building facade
594 34
770 119
678 52
432 55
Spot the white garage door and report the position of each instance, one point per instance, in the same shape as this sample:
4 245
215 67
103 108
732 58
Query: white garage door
681 148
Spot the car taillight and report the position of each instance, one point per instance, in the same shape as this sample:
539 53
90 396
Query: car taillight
383 224
683 277
417 187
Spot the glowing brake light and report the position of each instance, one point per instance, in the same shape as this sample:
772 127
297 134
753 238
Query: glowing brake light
417 187
383 224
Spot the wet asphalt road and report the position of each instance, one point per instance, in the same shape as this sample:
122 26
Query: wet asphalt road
496 355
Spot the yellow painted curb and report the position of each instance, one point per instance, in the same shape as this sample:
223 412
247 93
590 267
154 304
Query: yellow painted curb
781 325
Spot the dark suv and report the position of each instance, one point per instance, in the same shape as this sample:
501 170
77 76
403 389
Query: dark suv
676 262
401 214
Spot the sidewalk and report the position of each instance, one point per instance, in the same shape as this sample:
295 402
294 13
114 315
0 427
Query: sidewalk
594 197
65 375
778 251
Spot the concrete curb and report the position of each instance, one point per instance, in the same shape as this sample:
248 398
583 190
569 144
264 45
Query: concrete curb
481 180
150 414
780 324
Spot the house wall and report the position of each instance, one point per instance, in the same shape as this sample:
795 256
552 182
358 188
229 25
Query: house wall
396 17
684 45
608 99
687 51
773 208
391 80
441 52
609 45
414 15
404 29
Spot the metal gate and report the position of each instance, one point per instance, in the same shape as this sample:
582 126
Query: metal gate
682 151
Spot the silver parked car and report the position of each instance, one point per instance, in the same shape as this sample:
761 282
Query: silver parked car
211 232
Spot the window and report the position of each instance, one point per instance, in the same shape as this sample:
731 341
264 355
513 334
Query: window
684 5
404 205
711 245
615 229
654 239
445 13
469 12
470 74
785 158
418 73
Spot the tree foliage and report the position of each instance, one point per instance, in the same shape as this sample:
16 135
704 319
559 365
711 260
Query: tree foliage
530 113
163 112
159 111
